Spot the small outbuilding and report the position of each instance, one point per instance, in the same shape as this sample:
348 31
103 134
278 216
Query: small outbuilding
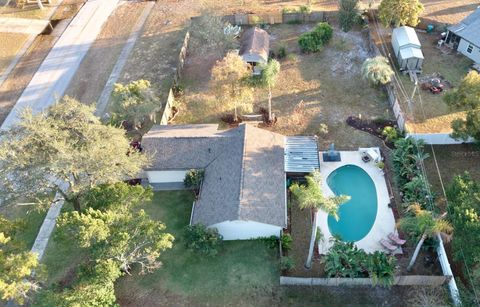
407 48
465 36
255 47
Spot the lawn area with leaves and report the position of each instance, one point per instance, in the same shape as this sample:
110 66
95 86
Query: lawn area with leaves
430 112
312 89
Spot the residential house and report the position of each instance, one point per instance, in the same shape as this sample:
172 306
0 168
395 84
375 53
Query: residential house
465 36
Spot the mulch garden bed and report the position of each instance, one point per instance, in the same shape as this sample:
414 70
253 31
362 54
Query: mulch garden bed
374 127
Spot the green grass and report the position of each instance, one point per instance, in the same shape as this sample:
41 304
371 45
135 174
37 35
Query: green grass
241 268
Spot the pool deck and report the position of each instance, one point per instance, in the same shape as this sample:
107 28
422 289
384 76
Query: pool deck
384 222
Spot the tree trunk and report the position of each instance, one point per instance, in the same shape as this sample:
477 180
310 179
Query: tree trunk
40 5
76 203
270 104
235 114
415 254
308 263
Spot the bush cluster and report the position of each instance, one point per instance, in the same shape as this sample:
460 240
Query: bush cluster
408 157
344 259
314 40
203 240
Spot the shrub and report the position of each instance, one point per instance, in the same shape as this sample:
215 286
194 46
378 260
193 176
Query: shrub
348 14
271 242
323 129
287 241
203 240
287 264
314 40
377 70
193 178
305 9
282 52
390 134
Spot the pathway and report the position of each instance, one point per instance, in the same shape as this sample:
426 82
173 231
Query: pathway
52 78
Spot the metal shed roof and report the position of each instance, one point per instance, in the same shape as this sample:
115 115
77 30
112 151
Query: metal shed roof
410 52
301 154
405 36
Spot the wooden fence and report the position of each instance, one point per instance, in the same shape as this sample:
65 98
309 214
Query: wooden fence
274 18
167 111
409 280
389 89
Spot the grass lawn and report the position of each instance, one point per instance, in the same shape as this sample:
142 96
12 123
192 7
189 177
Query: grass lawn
312 89
435 115
452 160
242 269
10 44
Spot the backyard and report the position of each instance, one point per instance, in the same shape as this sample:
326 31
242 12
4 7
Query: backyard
313 89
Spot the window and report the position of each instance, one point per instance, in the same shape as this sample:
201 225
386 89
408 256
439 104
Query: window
469 48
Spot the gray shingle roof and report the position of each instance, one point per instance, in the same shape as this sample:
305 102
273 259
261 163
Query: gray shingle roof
244 169
469 28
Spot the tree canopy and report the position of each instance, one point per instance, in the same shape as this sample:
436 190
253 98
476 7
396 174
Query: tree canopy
228 80
348 14
16 265
311 196
400 12
134 102
466 96
64 150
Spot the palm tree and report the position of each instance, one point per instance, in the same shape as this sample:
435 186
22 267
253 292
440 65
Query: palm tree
310 196
377 70
269 79
426 223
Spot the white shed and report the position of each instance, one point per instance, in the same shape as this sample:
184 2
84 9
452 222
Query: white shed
407 48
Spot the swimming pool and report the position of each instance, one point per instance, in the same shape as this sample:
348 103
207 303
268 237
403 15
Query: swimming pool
357 216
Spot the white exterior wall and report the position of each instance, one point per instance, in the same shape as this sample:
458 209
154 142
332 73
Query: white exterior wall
475 55
245 230
166 176
436 138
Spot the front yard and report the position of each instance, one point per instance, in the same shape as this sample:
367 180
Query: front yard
313 89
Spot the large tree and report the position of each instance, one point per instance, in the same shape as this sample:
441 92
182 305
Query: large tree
228 80
127 237
269 79
466 96
400 12
425 224
64 150
210 33
310 196
134 102
16 265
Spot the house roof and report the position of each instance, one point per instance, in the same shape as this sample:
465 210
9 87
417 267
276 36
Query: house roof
255 44
469 28
405 36
301 154
244 169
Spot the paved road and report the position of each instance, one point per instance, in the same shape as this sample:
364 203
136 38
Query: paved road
52 78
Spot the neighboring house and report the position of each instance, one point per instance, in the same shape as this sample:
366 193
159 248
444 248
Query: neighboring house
254 48
243 193
465 36
407 48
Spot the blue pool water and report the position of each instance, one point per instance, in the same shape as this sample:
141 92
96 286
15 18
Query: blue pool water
357 216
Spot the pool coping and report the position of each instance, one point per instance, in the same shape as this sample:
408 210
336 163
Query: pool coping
384 220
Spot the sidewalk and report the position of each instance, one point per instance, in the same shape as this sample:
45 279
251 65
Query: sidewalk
23 25
52 78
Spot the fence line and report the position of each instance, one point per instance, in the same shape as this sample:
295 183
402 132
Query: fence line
437 138
445 264
274 18
167 111
409 280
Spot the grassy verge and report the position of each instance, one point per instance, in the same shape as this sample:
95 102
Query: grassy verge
10 45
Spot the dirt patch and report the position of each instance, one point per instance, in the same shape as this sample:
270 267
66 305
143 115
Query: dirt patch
11 43
374 127
93 73
349 51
